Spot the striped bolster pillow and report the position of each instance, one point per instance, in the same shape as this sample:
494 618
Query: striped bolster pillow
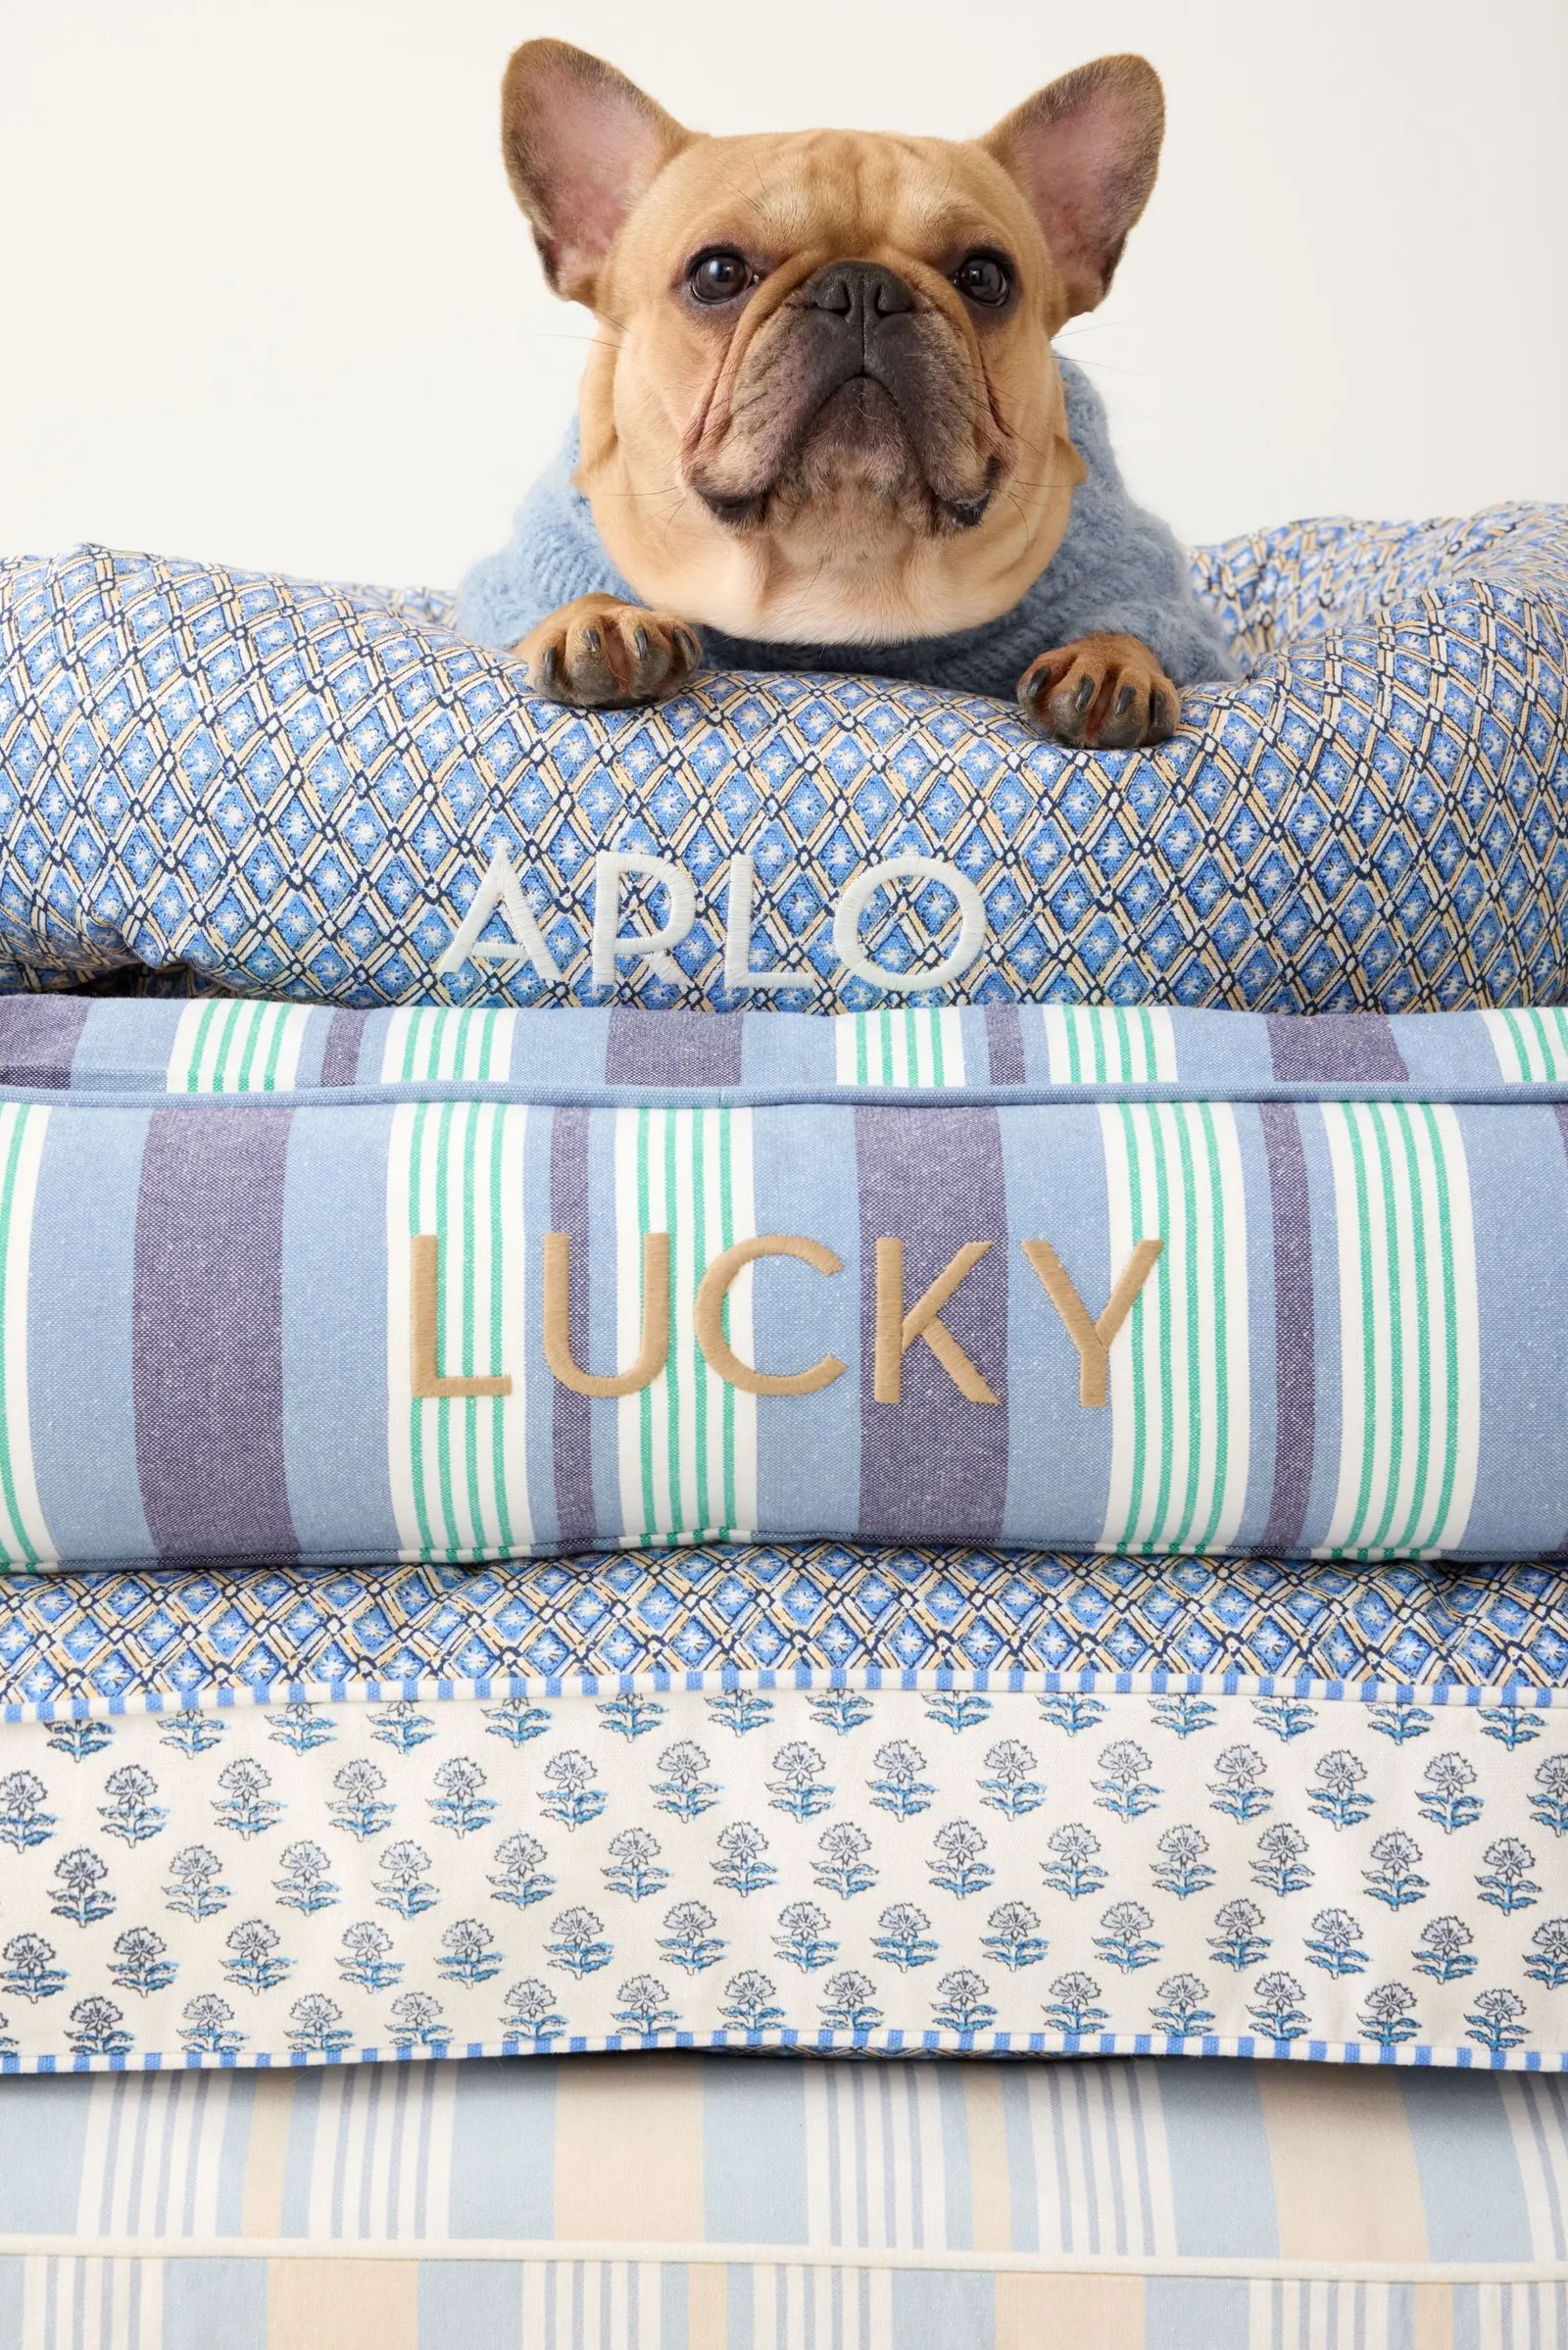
279 1283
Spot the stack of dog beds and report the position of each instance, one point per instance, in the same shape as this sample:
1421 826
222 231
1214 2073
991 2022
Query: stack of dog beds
793 1378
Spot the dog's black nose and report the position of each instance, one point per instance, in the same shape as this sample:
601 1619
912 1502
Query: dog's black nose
858 291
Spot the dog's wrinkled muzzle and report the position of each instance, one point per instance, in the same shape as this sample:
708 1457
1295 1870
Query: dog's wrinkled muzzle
856 323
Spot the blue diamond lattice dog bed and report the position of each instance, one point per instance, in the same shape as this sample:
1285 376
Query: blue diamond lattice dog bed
262 785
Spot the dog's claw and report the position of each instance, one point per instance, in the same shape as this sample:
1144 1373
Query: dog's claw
609 656
1108 693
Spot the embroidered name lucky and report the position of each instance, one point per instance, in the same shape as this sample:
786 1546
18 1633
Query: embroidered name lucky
898 1322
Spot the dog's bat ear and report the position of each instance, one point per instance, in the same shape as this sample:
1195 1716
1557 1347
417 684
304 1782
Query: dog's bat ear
581 144
1085 151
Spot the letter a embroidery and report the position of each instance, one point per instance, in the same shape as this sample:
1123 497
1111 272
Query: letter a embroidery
896 1331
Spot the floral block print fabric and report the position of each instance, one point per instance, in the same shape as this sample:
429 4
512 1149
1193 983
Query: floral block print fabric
709 2204
1227 1867
275 785
279 1284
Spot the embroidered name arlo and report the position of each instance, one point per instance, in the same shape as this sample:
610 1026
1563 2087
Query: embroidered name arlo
898 1323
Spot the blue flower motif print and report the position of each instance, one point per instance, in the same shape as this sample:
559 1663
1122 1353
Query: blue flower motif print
1072 2006
1074 1869
209 2028
198 1891
749 2001
516 1721
961 2004
24 1822
360 1809
685 1791
79 1894
905 1941
529 2011
300 1727
419 2022
797 1789
315 2025
1445 1950
1120 1789
1181 2010
643 2007
898 1788
849 2003
1238 1787
1389 2016
141 1962
468 1952
1015 1940
254 1961
960 1868
805 1941
366 1958
740 1865
688 1941
458 1803
521 1879
1123 1939
632 1715
248 1809
579 1947
1281 1864
844 1868
1335 1943
403 1886
1507 1883
1183 1868
1445 1797
1395 1881
1276 2008
568 1793
304 1884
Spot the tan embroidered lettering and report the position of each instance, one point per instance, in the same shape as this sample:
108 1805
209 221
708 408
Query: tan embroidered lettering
424 1320
1092 1339
896 1331
655 1347
708 1317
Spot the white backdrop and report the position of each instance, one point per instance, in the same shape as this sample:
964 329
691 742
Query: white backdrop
264 295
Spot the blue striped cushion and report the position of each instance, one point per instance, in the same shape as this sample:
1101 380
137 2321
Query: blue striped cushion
283 1283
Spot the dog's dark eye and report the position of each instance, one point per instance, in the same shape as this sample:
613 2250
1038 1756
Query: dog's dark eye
984 277
720 276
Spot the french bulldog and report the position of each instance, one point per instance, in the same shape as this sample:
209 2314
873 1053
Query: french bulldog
823 424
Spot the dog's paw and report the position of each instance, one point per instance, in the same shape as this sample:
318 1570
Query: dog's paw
600 654
1106 692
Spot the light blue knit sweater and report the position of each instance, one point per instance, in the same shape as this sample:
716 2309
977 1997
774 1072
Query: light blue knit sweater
1117 570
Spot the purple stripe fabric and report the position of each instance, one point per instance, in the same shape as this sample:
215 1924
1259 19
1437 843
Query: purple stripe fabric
1295 1388
1004 1043
207 1343
674 1048
1334 1048
934 1462
573 1425
340 1055
38 1038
